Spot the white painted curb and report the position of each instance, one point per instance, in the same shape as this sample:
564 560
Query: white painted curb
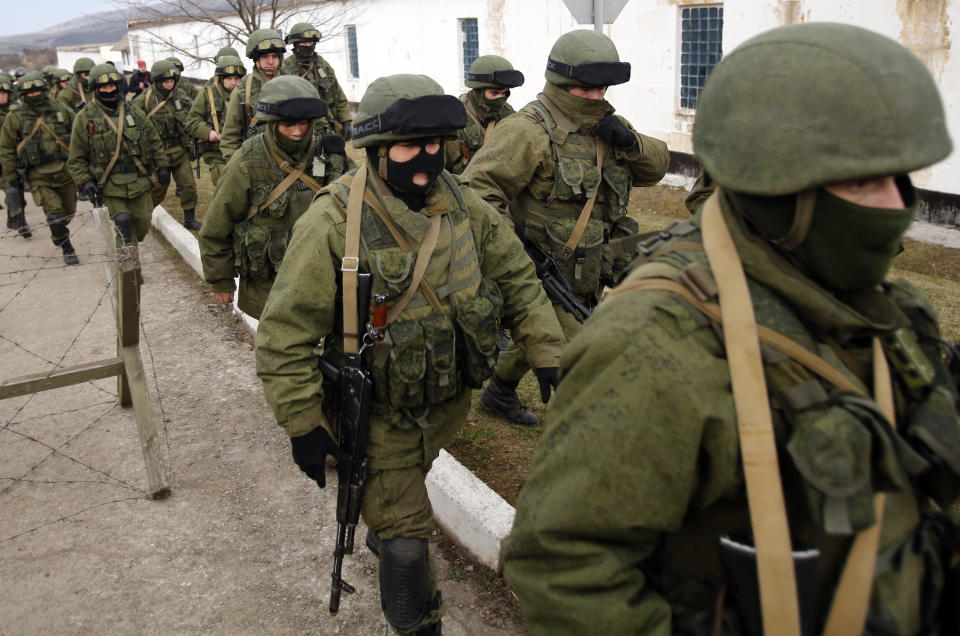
469 511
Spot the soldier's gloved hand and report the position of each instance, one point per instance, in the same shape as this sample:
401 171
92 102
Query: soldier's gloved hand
310 453
347 127
616 132
333 144
547 377
89 190
163 176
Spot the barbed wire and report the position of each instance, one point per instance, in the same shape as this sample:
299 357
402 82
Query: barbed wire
8 233
72 514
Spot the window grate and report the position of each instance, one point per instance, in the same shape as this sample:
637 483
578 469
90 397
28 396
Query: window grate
701 47
470 41
352 51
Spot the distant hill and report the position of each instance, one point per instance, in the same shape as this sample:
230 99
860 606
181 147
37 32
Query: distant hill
105 26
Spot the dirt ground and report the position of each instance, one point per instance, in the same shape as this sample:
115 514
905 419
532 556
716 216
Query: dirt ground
244 543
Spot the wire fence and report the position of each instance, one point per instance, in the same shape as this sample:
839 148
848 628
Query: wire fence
34 267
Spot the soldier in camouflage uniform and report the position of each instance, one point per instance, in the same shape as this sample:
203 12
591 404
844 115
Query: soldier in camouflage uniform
544 163
441 333
13 196
36 138
120 168
265 48
490 79
306 63
75 95
248 224
167 110
184 86
206 116
61 79
48 72
638 474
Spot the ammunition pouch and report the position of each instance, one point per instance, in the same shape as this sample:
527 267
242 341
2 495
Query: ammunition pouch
582 269
259 250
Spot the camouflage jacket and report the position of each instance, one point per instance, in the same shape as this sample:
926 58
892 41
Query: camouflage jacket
74 95
459 151
42 156
240 124
319 72
199 120
638 472
304 309
168 116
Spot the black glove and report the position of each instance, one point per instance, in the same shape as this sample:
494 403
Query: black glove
88 190
163 176
547 377
310 453
616 132
347 129
333 145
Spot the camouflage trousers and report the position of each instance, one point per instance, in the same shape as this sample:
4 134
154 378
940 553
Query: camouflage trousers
139 207
59 199
512 364
182 173
215 163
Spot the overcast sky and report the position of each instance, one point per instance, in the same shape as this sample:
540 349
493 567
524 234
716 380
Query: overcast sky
26 16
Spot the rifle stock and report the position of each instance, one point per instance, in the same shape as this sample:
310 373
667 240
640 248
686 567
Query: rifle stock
555 283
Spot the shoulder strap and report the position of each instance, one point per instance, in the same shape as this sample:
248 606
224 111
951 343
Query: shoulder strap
50 132
246 92
581 225
292 175
33 131
213 109
118 129
153 111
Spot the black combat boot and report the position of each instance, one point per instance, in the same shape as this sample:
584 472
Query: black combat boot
189 221
500 397
20 224
69 254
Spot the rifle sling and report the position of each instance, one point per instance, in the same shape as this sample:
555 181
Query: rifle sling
350 264
292 175
37 125
120 140
213 110
581 225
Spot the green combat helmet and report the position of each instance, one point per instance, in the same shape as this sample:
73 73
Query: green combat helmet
103 74
32 81
227 50
163 70
399 107
84 65
229 65
796 130
303 32
585 58
289 97
48 72
176 62
62 75
493 71
264 41
6 83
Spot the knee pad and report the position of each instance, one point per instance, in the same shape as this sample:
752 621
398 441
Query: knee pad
404 582
14 199
58 225
124 223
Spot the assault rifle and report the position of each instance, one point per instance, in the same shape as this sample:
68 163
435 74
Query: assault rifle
354 395
555 283
196 154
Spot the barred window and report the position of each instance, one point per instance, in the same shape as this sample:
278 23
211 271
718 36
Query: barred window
701 46
470 43
352 51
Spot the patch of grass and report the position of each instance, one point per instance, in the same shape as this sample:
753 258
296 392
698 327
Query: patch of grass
205 189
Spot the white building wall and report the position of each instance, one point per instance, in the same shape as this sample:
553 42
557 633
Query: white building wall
100 54
423 36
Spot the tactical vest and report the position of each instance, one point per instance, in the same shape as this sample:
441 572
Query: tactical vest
260 242
548 218
41 152
429 357
169 118
103 142
326 85
835 449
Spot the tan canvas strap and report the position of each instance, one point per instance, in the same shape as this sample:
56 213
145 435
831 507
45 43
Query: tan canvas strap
472 109
50 132
118 129
309 181
778 341
83 96
768 515
246 101
350 265
33 131
213 110
851 601
581 225
146 98
292 175
420 268
153 111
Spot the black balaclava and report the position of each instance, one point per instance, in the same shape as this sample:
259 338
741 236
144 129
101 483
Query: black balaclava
36 101
303 51
399 175
110 100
